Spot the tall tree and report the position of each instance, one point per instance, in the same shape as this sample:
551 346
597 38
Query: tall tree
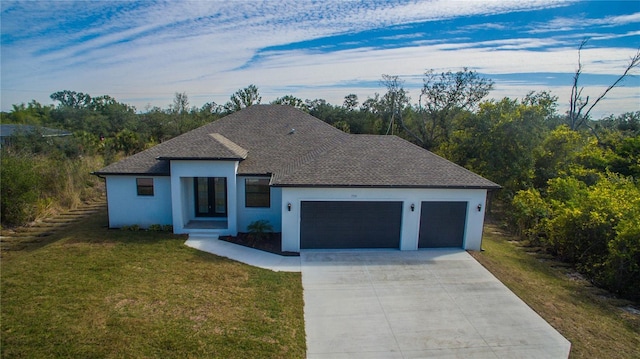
245 97
442 98
72 99
350 102
394 101
291 100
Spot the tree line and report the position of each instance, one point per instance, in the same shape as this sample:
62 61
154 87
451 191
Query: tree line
570 183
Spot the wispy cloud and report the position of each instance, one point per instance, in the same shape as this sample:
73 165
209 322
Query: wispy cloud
582 22
150 49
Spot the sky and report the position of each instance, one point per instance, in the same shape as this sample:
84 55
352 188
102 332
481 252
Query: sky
143 52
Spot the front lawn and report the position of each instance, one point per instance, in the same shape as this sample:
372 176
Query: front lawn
99 293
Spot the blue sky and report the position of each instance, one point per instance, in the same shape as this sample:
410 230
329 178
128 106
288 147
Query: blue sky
142 52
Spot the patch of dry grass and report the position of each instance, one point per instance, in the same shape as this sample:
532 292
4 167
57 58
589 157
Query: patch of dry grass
592 320
98 293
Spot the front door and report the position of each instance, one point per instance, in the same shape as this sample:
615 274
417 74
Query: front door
211 196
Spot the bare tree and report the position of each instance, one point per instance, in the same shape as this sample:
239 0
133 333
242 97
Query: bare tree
579 108
395 100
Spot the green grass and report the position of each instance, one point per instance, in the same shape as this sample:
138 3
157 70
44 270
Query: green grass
590 318
98 293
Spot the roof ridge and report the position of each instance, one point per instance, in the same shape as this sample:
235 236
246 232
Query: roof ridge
230 145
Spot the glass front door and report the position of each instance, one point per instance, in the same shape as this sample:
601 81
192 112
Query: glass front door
211 196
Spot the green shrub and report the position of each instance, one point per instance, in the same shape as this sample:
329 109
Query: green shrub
594 227
19 184
155 228
260 228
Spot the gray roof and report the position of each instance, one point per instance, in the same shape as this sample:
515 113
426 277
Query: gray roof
301 150
12 129
380 161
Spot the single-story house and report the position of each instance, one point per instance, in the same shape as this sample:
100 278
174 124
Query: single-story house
318 186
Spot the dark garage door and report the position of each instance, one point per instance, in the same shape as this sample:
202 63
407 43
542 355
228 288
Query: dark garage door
348 224
442 224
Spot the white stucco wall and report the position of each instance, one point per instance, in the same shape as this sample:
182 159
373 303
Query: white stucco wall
182 195
410 219
127 208
246 215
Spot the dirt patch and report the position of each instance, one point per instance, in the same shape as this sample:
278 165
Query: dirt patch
268 242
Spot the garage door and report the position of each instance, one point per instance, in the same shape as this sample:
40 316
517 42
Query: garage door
442 224
348 224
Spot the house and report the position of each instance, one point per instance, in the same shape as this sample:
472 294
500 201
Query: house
8 131
319 186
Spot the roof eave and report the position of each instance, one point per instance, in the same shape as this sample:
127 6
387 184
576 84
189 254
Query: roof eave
180 158
98 173
496 187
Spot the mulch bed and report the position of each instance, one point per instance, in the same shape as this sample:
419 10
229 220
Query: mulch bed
268 242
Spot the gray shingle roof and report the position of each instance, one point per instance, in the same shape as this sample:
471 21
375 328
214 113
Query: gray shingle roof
301 150
380 161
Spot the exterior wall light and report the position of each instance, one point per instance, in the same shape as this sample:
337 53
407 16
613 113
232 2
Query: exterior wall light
289 206
480 207
413 207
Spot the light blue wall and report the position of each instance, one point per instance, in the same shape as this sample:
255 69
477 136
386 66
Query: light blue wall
127 208
246 215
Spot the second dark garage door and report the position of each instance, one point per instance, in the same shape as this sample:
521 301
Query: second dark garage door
442 224
350 224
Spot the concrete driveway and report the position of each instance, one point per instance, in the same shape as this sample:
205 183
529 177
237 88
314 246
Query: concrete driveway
418 304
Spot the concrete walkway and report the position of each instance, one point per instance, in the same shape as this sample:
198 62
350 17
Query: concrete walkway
254 257
405 304
418 304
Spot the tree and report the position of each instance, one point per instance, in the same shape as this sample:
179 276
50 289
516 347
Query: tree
291 100
180 103
394 101
350 102
245 97
579 107
72 99
442 98
499 142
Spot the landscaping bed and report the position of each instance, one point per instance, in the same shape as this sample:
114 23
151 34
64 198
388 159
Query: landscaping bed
268 242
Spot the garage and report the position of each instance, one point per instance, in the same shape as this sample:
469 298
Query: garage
350 224
442 224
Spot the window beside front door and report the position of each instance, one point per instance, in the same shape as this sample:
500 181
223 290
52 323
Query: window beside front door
257 192
211 196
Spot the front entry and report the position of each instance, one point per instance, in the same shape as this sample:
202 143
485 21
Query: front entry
211 196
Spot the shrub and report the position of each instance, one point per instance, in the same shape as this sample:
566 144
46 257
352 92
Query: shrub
19 189
260 228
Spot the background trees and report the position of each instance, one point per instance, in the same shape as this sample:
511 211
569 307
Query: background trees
564 188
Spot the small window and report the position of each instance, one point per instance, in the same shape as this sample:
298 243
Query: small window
257 192
145 186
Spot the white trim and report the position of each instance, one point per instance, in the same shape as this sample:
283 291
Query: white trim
410 219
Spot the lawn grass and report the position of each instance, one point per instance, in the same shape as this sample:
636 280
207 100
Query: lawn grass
92 292
589 318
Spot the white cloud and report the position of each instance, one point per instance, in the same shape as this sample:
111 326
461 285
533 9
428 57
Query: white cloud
150 50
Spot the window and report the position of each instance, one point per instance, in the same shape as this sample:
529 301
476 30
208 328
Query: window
257 192
145 186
